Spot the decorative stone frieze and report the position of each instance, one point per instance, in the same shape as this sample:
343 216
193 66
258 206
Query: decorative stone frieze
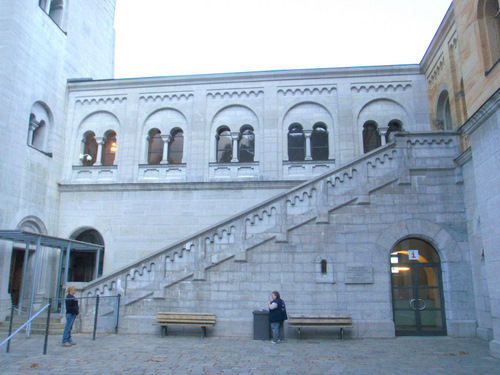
380 87
165 97
235 93
436 70
101 100
306 90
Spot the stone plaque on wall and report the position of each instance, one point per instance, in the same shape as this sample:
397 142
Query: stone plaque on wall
358 275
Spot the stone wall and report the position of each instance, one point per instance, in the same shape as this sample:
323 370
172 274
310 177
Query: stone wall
350 217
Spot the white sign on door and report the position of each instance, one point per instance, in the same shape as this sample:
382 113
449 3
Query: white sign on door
413 254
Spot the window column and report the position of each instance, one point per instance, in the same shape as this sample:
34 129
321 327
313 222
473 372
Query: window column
31 130
166 138
307 134
382 131
100 143
234 137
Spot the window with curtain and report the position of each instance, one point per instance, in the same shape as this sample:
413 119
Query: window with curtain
296 143
371 137
224 145
394 126
319 142
89 148
109 149
155 147
246 145
176 147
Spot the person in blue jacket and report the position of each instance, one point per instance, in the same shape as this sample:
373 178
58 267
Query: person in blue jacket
71 313
277 317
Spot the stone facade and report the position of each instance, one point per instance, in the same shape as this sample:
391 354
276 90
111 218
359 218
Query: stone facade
204 190
203 201
463 76
42 46
350 217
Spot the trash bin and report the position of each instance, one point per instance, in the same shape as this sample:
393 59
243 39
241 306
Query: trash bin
261 326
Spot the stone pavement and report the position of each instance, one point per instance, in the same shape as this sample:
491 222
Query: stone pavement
134 354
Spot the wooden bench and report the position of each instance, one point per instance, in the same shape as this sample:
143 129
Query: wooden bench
202 320
301 321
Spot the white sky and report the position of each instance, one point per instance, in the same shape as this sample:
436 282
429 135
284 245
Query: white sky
172 37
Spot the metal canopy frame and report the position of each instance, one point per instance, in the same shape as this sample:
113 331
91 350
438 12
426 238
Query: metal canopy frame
42 240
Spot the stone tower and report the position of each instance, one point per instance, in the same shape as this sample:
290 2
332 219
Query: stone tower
43 43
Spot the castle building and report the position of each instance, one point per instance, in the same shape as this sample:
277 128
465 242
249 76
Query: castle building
368 191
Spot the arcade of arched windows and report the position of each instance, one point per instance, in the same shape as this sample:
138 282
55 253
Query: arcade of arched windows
165 145
307 144
303 145
97 151
235 146
165 148
375 136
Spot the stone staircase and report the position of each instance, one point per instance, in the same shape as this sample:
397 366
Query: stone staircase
274 219
38 325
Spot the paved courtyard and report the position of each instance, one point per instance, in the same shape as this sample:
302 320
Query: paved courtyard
134 354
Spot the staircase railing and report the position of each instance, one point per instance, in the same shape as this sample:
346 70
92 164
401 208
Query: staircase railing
28 325
272 219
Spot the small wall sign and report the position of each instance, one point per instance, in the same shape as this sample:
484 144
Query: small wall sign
358 275
413 254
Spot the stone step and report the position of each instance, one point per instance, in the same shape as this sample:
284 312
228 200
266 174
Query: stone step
38 325
34 331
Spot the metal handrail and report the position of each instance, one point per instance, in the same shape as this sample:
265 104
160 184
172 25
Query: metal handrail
7 340
48 308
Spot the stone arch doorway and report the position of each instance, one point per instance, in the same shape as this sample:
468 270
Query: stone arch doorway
417 289
82 264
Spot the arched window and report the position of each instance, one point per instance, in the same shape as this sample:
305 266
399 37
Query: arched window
324 270
89 148
296 143
109 148
176 147
443 112
246 144
39 132
324 265
394 126
39 126
371 137
224 145
155 147
489 25
56 11
42 4
319 142
83 263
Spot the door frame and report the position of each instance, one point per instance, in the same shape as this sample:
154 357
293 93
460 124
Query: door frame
415 288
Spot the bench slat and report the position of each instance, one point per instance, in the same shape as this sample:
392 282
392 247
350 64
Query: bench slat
185 314
186 321
320 322
321 325
164 324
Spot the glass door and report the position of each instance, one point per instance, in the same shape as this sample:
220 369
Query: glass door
417 289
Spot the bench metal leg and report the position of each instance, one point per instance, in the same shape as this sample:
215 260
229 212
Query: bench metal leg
163 331
342 334
203 332
299 333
